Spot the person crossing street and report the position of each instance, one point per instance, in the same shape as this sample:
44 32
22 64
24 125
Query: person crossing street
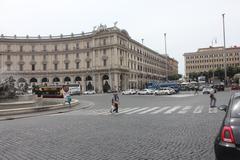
115 102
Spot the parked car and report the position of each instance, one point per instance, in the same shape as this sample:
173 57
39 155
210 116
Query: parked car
89 92
235 87
160 92
208 90
219 87
227 142
145 92
129 91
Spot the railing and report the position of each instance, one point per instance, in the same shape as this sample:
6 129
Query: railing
46 37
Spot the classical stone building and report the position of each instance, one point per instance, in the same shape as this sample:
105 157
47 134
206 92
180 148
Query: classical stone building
211 58
106 58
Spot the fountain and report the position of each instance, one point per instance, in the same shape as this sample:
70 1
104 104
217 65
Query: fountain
17 101
7 89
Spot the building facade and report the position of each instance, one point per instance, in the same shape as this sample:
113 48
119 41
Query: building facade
211 58
104 59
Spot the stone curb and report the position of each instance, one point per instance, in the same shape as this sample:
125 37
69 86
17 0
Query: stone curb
56 110
7 112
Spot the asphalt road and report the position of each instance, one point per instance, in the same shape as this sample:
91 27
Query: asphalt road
177 127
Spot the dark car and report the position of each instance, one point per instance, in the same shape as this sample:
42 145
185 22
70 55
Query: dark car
227 142
219 87
235 87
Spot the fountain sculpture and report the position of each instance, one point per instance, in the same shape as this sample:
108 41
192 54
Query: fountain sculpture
7 88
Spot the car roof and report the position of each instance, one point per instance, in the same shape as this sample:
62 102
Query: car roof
237 94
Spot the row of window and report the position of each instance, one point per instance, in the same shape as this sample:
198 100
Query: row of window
211 66
213 60
214 55
55 56
33 66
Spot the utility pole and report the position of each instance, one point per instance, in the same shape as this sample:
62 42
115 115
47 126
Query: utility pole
224 50
165 40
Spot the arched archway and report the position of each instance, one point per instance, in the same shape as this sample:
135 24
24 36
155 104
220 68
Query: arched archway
105 82
89 85
44 80
121 82
77 79
67 79
33 80
56 80
88 78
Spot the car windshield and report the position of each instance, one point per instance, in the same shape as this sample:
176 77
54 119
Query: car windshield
236 108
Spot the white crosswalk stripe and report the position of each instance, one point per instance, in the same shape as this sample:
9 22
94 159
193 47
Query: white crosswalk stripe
172 110
138 110
198 109
212 110
149 110
160 110
185 109
107 112
128 110
167 110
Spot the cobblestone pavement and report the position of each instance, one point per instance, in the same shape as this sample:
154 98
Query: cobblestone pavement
143 130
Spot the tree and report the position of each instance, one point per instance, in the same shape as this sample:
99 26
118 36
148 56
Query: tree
219 73
174 77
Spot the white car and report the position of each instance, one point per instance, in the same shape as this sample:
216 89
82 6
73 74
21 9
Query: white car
89 92
159 92
208 90
172 91
129 91
145 92
166 91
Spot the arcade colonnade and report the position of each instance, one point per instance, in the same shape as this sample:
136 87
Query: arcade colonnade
100 82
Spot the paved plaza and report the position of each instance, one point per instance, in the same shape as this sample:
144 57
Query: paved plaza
177 127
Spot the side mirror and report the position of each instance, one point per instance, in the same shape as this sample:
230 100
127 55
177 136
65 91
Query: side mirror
223 108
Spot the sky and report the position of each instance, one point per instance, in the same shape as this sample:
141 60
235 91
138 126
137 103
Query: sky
189 24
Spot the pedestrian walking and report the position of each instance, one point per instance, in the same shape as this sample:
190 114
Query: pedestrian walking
66 95
115 102
212 99
196 90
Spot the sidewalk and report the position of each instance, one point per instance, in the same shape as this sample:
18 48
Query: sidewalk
10 114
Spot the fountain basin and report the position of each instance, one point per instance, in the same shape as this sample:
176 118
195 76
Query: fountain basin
30 106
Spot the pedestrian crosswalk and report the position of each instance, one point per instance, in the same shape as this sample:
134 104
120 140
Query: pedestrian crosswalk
166 110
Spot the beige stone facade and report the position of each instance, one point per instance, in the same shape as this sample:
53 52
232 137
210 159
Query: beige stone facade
104 58
211 58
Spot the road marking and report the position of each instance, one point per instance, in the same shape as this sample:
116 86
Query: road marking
160 110
128 110
149 110
212 110
185 110
138 110
198 109
107 112
172 110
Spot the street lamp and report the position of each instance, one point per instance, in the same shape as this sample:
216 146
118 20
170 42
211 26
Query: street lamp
224 50
165 40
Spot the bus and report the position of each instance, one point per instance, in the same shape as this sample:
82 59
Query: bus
158 85
50 92
74 89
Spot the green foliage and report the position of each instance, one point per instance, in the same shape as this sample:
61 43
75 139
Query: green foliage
174 77
219 73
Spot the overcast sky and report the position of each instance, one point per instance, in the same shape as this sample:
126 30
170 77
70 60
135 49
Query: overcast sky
189 24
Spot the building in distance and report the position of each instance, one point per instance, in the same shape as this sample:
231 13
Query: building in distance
102 60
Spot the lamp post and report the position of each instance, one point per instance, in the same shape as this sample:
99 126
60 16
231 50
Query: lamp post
165 40
224 50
